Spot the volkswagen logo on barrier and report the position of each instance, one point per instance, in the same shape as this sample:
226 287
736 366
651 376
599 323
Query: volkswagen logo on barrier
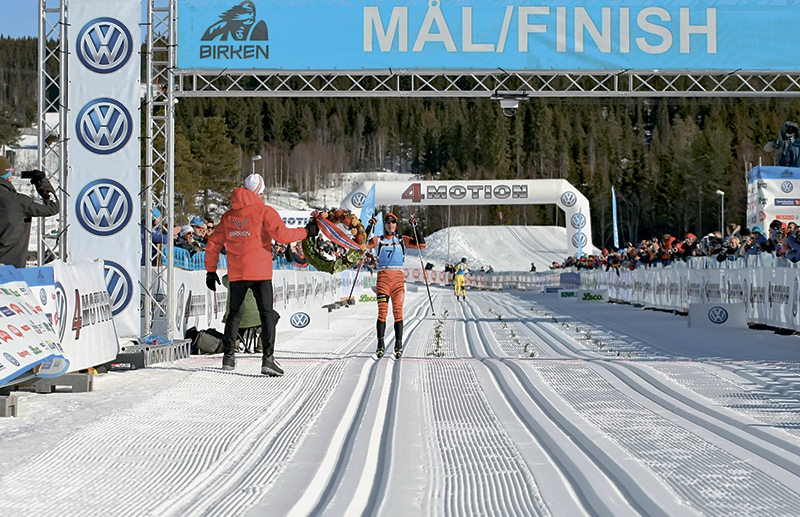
577 221
179 307
796 292
579 240
358 199
104 126
787 186
43 296
300 320
718 315
119 285
59 311
104 45
104 207
568 198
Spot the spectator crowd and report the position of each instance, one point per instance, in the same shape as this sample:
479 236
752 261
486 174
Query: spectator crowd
780 238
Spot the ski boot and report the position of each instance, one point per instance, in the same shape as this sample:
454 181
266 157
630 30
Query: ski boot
381 328
398 339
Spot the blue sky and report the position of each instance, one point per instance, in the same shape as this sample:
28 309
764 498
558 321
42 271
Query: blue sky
19 18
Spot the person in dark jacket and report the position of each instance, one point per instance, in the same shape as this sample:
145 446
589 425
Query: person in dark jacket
247 230
16 213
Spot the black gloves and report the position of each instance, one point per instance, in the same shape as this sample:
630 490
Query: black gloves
413 221
311 229
372 221
211 280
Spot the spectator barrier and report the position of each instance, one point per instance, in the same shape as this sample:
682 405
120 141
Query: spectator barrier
771 295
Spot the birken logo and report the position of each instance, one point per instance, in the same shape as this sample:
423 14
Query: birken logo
237 24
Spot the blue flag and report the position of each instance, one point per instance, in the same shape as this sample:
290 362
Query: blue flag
614 217
369 207
378 230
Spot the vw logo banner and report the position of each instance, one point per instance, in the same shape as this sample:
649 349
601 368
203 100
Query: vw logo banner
104 175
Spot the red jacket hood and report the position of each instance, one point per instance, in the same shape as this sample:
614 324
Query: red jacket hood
241 198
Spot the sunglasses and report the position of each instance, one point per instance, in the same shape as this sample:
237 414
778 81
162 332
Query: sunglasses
391 220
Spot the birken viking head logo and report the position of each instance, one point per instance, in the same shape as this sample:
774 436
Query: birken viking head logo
104 45
240 223
568 198
237 24
104 126
104 207
119 286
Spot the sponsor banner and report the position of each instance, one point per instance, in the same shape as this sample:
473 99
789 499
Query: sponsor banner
773 193
27 339
516 35
81 311
717 315
592 295
489 192
294 218
293 291
104 148
568 294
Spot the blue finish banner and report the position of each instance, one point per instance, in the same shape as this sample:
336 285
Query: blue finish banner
513 35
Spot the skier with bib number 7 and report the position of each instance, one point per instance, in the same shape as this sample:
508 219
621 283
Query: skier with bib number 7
390 249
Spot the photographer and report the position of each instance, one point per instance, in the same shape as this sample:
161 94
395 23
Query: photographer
16 211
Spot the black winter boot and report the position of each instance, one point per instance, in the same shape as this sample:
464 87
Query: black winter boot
381 328
398 338
228 357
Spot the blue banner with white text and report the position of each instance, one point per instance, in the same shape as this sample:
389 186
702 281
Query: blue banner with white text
463 34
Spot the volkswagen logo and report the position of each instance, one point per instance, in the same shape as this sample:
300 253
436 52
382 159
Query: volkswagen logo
43 296
568 198
104 207
718 315
104 126
796 292
787 186
577 221
104 45
300 320
358 199
579 240
119 285
179 307
59 311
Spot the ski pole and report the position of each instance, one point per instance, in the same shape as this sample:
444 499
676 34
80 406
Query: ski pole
360 262
424 277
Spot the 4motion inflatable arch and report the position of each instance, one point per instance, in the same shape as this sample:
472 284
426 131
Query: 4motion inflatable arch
494 192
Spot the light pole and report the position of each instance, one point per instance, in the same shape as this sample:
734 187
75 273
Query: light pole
255 159
722 211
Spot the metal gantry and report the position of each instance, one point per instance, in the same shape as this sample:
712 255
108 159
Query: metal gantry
164 84
487 83
52 83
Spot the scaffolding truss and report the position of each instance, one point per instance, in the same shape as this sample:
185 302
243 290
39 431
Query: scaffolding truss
488 83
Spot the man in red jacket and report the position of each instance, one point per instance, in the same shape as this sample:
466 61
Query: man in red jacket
247 231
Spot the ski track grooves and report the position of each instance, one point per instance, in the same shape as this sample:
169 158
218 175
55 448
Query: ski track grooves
643 384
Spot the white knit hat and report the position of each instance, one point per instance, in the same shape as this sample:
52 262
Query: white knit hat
255 183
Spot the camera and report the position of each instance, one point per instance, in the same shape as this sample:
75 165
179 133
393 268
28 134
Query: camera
509 106
26 175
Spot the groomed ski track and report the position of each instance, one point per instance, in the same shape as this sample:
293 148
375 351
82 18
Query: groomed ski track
509 404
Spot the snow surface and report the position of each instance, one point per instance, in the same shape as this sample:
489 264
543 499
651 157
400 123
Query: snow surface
508 403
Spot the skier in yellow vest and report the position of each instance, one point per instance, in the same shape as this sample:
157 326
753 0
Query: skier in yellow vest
458 278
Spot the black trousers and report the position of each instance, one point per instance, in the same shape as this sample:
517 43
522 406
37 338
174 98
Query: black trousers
262 291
